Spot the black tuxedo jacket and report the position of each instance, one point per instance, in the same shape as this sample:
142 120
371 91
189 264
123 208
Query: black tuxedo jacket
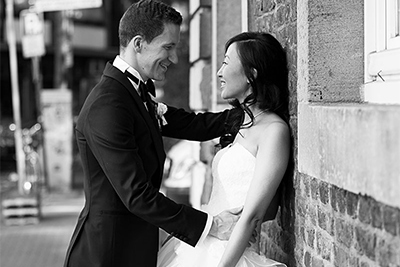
123 158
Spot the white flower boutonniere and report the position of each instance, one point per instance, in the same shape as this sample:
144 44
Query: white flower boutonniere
161 109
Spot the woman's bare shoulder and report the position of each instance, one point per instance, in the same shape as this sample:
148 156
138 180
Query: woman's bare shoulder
272 123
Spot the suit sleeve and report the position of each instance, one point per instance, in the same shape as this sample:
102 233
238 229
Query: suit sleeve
196 127
110 130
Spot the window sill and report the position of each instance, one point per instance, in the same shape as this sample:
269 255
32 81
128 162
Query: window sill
380 92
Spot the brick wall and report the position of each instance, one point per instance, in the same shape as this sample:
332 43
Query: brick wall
278 17
319 223
335 227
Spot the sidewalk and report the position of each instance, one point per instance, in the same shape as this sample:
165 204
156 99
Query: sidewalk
43 244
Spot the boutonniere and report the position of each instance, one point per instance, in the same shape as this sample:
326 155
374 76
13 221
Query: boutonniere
159 110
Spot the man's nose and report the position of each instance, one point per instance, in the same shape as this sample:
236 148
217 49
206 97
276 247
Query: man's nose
173 57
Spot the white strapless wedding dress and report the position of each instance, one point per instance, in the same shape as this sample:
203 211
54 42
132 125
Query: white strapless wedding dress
232 171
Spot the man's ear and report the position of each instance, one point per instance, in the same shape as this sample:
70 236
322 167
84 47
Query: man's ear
137 43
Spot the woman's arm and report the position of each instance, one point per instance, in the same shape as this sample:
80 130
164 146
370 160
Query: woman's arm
271 163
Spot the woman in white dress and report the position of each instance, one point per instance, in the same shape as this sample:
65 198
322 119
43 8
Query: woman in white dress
248 171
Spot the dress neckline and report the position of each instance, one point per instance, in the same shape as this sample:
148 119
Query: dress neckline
232 144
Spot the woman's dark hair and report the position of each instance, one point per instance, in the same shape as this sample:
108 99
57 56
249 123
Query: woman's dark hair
265 66
146 18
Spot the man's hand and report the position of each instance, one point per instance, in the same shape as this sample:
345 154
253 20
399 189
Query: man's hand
224 223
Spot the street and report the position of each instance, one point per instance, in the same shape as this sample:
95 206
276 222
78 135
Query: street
43 244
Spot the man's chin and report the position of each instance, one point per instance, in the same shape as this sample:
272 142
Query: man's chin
159 78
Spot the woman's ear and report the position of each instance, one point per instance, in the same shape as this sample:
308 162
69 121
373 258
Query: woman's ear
254 72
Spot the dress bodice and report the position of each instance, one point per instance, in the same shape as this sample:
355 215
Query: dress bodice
232 170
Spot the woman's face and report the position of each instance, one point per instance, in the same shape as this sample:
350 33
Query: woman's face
234 83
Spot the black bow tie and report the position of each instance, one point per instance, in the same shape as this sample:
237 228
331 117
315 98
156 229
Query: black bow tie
143 88
150 87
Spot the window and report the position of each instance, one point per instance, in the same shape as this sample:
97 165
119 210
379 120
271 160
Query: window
382 51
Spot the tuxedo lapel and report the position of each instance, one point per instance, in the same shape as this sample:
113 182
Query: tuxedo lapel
114 73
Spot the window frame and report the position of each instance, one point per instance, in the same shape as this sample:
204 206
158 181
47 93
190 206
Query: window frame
382 52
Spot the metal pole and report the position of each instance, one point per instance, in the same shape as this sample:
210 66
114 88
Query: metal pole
37 81
19 153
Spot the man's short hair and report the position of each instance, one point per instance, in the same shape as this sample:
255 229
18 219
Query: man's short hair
146 18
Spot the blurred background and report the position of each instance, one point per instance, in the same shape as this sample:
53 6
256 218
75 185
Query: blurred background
54 82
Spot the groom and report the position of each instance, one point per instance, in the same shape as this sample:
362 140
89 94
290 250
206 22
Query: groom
122 153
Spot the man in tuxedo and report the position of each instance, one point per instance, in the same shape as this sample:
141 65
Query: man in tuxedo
119 135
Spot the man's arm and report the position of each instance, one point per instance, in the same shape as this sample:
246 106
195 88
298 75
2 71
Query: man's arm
196 127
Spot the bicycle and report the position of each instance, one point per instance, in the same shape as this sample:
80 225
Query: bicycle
24 206
33 182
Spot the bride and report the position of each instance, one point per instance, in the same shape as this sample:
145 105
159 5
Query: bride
248 171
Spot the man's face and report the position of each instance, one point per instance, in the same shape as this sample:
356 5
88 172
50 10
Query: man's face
156 56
